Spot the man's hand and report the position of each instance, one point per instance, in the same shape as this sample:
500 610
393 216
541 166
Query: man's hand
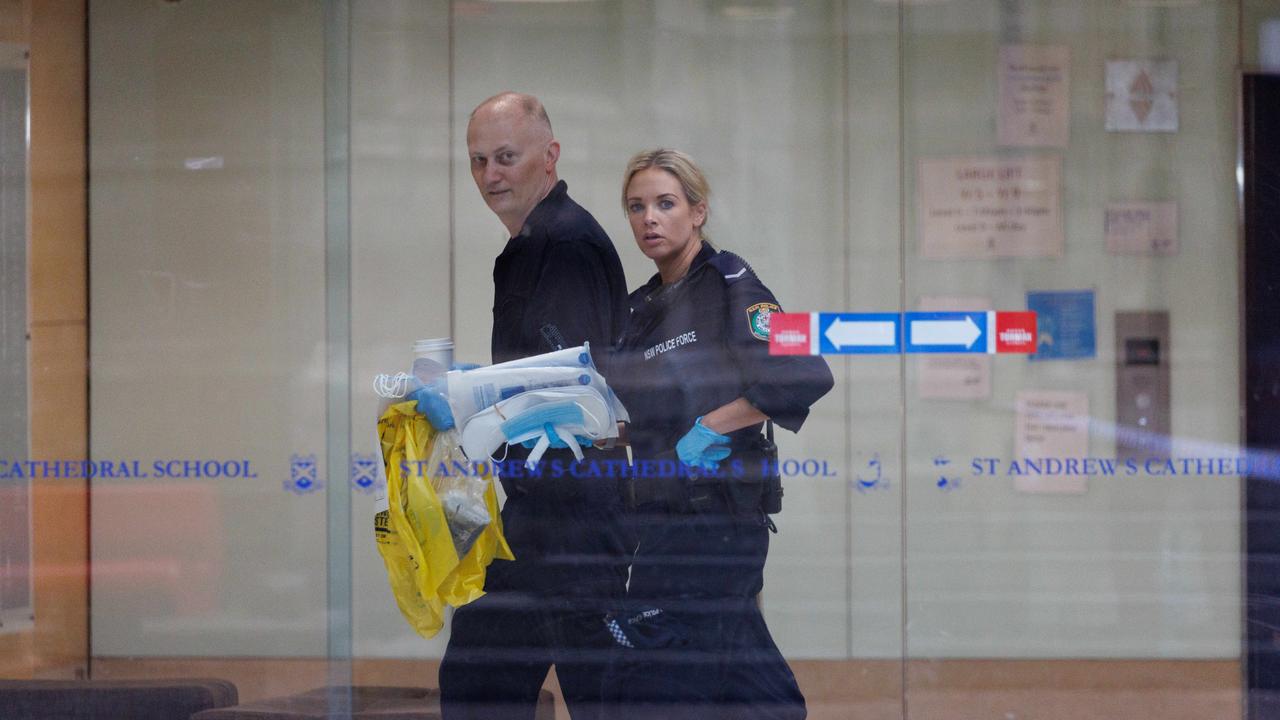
433 403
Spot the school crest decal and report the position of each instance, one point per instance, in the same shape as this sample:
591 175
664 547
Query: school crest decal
302 475
758 319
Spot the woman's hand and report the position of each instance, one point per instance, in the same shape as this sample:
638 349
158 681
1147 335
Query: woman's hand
733 416
702 447
706 443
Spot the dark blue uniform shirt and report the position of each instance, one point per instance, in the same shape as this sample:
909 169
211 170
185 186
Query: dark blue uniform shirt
703 342
560 272
559 281
689 348
545 607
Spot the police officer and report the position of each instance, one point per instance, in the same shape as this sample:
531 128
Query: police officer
558 282
694 371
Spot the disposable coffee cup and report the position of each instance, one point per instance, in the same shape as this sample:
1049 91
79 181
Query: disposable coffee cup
432 358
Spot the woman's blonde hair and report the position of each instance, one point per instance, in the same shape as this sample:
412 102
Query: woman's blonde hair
681 166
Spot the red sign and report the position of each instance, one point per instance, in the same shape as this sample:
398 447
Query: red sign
1015 332
789 334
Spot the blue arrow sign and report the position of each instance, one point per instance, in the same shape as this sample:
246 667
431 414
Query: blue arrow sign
946 332
859 333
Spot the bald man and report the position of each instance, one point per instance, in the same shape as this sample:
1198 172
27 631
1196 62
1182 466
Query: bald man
558 283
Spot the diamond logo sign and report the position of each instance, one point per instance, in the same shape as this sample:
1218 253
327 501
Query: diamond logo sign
1142 96
1140 93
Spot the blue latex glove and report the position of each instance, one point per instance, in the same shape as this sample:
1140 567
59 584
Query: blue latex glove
433 403
702 447
556 442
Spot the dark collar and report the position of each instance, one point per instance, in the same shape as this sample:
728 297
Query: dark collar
547 205
707 252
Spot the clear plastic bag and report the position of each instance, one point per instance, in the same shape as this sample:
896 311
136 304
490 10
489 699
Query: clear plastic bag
461 491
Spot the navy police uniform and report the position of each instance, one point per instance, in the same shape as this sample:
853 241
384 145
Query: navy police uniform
558 283
693 642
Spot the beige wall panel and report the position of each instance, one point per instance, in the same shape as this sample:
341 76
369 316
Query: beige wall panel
58 404
59 506
207 338
400 247
872 384
1134 567
58 644
15 20
18 656
58 284
60 511
58 259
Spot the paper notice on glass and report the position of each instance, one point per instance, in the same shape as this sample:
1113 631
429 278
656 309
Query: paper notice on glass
1052 427
1034 96
989 207
1142 228
954 377
1142 96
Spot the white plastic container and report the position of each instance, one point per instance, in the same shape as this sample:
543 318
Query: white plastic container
432 358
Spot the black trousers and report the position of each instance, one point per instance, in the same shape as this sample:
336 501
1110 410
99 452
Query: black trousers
544 608
708 654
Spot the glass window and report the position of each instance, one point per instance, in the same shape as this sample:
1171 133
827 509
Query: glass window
1028 239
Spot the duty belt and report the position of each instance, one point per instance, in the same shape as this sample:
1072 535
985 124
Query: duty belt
686 490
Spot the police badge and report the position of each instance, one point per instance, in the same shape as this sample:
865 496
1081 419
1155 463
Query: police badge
758 319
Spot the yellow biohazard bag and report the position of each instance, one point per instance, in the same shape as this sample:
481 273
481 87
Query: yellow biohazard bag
413 534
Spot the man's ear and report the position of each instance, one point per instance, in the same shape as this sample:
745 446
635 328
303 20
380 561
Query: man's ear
553 155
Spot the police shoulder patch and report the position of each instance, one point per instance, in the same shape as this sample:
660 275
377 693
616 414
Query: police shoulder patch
758 319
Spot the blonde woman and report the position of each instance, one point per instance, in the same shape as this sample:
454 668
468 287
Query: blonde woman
694 370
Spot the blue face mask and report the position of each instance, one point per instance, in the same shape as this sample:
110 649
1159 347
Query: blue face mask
534 421
562 415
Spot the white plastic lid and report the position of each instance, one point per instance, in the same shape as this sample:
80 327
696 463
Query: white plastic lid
431 346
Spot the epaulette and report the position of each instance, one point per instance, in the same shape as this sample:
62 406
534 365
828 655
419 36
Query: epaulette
732 267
